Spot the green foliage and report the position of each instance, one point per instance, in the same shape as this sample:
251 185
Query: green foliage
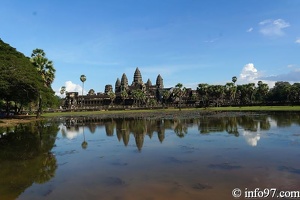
45 69
43 66
19 81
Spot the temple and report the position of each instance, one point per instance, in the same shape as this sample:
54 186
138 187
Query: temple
137 94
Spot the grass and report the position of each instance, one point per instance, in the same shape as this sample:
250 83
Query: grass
257 108
245 108
24 119
102 112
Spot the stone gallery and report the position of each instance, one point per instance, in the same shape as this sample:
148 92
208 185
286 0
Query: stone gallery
138 94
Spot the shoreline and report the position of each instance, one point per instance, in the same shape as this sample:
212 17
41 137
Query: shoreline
150 114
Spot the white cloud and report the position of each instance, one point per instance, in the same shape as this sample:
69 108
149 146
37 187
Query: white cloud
250 30
249 72
291 76
211 40
251 137
298 41
71 87
71 132
273 27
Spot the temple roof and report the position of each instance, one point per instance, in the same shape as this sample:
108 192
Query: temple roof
118 82
159 81
137 78
149 83
124 80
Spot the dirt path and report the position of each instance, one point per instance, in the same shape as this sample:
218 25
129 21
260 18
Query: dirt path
17 120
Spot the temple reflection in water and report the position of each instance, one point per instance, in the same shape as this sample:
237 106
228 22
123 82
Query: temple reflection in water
249 126
63 158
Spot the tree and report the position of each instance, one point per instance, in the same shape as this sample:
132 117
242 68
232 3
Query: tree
62 90
138 96
166 95
124 95
261 91
202 90
215 94
230 90
179 92
19 81
295 93
112 97
180 128
234 79
43 66
82 79
47 72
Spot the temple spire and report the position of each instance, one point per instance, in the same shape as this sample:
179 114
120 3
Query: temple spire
118 85
124 82
159 82
137 78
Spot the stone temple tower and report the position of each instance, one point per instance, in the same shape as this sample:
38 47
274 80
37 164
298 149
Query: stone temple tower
118 86
159 82
124 82
137 78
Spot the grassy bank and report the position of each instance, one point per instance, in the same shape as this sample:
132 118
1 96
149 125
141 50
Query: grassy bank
257 108
248 108
174 111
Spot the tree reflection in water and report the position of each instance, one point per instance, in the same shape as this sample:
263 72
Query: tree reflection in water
25 157
248 125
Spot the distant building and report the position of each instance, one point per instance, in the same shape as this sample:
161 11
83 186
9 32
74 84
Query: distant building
125 94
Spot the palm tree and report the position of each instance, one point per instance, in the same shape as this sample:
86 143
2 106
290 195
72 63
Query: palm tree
43 65
230 90
84 144
202 90
112 97
261 91
45 69
139 96
83 79
180 128
124 95
165 95
62 90
234 79
179 92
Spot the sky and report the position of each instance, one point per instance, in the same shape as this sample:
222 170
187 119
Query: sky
185 41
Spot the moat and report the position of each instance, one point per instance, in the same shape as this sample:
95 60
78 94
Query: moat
128 158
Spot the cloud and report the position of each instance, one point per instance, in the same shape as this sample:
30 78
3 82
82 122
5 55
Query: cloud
292 76
71 132
273 28
211 40
251 137
297 41
249 72
71 87
250 30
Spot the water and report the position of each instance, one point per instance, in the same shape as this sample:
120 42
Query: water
204 158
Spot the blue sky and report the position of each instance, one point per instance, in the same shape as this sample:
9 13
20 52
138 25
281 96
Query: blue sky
187 41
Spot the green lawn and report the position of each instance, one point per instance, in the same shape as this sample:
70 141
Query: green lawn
257 108
248 108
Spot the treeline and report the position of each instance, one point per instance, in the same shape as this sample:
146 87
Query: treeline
25 82
283 93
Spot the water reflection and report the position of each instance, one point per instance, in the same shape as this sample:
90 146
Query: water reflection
249 126
199 158
25 157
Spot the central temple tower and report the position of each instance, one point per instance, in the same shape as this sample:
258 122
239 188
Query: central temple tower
137 78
